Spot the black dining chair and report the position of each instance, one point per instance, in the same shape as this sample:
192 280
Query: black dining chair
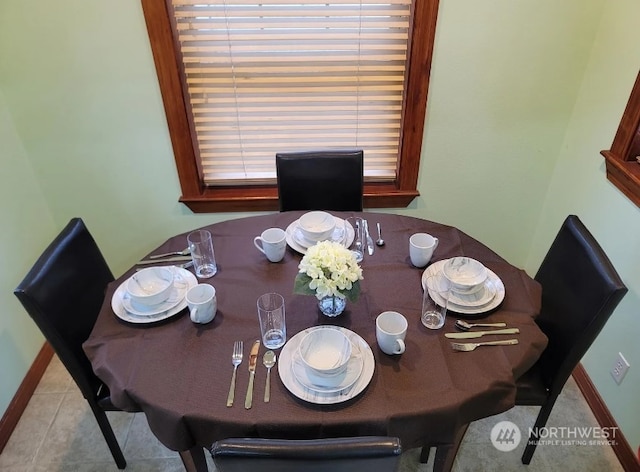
320 180
63 293
367 453
580 290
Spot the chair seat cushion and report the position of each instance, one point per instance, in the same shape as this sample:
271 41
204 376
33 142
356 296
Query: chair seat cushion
531 388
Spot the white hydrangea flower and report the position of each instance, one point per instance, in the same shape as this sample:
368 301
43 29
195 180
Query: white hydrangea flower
331 268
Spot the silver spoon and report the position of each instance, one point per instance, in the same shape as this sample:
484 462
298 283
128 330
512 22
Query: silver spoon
269 360
464 326
379 241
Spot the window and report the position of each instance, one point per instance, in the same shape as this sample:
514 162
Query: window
208 182
623 159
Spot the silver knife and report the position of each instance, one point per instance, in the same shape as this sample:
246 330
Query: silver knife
369 239
253 359
477 334
167 259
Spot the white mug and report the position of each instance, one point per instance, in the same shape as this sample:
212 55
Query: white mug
272 243
202 303
421 247
391 329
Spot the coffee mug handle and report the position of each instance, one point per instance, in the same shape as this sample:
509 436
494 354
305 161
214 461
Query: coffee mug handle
194 315
255 243
399 346
435 243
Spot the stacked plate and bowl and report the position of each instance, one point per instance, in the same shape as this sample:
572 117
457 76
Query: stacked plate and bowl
473 288
316 226
326 364
152 294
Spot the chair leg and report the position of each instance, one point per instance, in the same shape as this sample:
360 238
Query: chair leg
109 435
194 460
424 454
445 454
541 421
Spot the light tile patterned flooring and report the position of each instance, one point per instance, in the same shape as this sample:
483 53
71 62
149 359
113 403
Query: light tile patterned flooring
57 432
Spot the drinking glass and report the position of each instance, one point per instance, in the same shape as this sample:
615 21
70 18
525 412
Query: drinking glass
204 259
272 321
357 245
434 302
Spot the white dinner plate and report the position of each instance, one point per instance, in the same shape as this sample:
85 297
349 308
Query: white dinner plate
492 284
183 281
302 246
287 375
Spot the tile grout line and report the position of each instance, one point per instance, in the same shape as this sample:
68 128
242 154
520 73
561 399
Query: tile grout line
34 460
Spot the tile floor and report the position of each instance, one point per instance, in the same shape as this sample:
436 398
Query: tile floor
57 432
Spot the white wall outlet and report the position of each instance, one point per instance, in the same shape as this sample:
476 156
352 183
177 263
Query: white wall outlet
619 368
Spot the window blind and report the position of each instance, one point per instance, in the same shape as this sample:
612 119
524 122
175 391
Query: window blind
293 75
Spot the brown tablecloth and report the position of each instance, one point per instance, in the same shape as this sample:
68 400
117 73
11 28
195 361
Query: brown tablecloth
179 373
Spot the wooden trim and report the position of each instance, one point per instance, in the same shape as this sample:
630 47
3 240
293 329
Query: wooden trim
622 169
23 395
266 199
201 199
625 175
622 448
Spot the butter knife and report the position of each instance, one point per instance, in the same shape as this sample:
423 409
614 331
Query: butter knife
477 334
253 359
369 239
165 260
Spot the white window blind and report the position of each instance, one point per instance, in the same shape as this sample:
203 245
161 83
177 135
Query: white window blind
293 75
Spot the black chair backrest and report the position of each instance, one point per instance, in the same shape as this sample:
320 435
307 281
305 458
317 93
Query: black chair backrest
366 453
320 180
63 293
580 290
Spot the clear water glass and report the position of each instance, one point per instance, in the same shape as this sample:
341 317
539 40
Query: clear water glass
434 302
357 245
271 314
204 260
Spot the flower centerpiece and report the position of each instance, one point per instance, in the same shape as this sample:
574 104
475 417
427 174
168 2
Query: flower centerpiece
330 272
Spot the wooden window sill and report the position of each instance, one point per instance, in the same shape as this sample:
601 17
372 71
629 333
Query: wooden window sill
266 198
625 175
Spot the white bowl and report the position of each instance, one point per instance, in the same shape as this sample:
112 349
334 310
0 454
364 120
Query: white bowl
325 351
316 225
150 286
465 274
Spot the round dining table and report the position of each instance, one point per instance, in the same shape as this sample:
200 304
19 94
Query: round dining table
178 372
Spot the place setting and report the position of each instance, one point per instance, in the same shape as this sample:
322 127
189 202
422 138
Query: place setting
463 283
153 294
473 289
321 364
316 226
324 364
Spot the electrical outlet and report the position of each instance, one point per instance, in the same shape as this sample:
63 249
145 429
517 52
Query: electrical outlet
619 368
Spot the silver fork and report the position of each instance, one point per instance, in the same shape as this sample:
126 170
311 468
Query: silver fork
471 346
184 252
236 360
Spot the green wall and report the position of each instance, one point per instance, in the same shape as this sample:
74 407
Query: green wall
26 227
83 110
578 185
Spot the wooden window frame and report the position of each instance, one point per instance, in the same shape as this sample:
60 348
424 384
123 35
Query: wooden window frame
202 199
623 170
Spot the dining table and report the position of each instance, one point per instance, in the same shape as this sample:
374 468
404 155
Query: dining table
178 372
